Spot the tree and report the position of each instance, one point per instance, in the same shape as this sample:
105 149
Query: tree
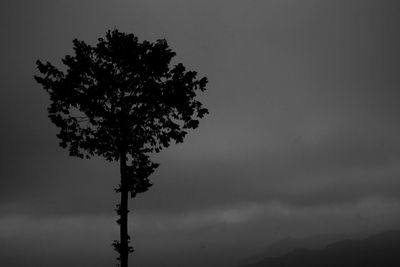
121 99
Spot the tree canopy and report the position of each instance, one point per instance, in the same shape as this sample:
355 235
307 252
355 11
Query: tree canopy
121 94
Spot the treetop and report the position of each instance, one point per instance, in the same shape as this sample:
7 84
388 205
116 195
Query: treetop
121 95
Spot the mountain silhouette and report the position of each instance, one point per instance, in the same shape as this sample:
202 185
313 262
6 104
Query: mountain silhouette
288 244
381 250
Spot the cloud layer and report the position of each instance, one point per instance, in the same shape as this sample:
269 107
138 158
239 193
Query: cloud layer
302 137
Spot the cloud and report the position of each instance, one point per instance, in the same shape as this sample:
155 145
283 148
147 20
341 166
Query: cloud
302 135
201 238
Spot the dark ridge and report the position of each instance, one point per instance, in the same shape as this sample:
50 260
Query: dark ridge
381 250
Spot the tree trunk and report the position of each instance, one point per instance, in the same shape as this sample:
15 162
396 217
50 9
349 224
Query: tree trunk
124 248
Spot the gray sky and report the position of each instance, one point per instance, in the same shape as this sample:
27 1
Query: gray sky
302 136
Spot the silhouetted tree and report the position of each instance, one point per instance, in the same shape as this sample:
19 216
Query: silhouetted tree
122 100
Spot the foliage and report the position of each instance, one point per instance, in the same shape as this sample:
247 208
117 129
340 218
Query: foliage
122 96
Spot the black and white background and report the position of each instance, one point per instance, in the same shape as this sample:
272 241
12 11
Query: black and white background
303 136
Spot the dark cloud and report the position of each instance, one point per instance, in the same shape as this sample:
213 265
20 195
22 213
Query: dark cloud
303 128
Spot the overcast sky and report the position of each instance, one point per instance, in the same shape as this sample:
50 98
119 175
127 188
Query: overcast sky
303 136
